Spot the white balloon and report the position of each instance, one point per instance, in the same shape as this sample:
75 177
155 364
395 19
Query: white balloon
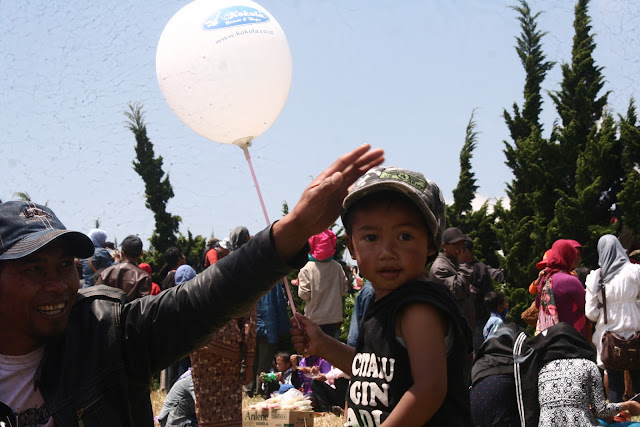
224 67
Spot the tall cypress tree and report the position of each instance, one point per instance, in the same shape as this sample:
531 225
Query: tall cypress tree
629 196
466 189
520 228
577 102
476 224
158 189
589 151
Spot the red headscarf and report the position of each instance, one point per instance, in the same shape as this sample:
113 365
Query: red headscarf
563 255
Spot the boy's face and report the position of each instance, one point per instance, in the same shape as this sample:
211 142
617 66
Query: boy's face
390 242
504 306
282 364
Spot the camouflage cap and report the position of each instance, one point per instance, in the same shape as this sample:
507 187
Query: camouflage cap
425 194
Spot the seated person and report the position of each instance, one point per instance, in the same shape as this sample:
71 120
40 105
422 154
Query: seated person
330 390
179 408
302 374
282 375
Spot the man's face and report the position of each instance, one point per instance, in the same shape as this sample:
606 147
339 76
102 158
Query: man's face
282 365
36 296
453 250
390 242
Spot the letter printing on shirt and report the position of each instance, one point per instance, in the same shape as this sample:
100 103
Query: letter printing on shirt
17 389
381 371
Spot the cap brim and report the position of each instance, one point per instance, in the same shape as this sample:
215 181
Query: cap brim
541 264
458 239
80 245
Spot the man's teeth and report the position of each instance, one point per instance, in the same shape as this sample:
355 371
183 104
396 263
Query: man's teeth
51 309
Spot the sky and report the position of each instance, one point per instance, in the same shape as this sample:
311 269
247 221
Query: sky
404 76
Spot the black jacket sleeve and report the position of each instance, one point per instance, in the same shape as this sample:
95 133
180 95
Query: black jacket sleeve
160 329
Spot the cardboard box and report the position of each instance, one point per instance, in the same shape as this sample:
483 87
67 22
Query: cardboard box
276 418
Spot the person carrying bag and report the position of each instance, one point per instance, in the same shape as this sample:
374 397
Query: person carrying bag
612 302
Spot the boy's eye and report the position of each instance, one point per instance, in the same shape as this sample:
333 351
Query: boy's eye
370 237
405 236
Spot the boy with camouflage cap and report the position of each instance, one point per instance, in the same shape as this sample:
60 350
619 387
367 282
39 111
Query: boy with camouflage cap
411 362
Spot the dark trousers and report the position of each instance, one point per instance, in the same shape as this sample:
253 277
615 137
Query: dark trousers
616 385
327 396
263 361
331 329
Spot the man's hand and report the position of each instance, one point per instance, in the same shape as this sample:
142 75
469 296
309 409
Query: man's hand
465 255
307 338
321 201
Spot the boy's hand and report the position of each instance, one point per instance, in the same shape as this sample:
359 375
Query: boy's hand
321 201
308 338
294 362
262 377
279 377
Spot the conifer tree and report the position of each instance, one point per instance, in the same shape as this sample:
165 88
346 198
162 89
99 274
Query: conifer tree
629 196
475 224
521 228
589 151
158 189
466 189
577 102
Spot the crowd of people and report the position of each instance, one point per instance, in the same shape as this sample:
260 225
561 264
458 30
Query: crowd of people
85 328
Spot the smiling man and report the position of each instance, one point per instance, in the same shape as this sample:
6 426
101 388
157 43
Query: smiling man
70 358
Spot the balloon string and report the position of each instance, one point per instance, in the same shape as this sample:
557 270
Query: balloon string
266 217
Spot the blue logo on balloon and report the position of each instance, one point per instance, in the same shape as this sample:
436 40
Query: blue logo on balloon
233 16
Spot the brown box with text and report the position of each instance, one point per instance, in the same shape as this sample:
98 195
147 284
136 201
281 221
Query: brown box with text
276 418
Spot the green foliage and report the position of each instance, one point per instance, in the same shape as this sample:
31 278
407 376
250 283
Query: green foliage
466 189
347 309
629 196
478 225
519 300
577 102
521 229
158 189
192 247
24 196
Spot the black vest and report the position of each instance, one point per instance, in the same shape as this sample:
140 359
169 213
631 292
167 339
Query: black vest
381 372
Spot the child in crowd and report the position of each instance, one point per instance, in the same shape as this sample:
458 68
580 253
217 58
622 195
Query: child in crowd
499 307
282 375
411 362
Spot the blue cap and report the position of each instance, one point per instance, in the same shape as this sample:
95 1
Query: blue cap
26 227
184 273
284 388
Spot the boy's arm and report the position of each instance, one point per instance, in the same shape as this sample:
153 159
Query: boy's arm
428 359
309 339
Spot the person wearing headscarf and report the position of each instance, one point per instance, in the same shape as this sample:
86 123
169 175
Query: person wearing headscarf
621 280
100 259
238 237
223 366
561 296
155 288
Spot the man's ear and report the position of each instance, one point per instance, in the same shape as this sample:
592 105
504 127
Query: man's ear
349 242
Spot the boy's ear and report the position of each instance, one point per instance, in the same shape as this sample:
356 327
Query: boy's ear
349 242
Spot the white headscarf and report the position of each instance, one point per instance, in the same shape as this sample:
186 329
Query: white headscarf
611 256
